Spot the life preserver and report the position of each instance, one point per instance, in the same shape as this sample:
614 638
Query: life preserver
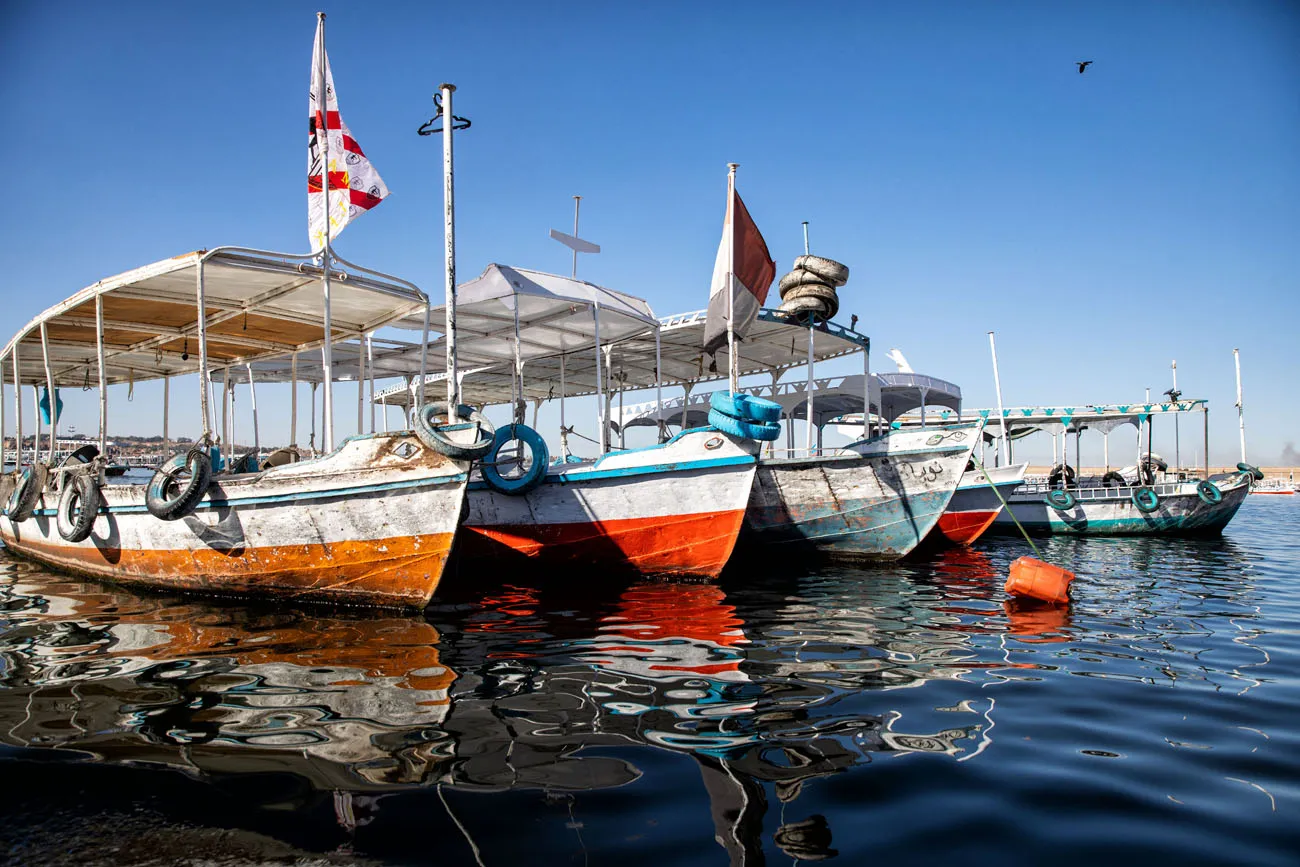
22 502
533 474
79 503
169 495
1209 492
763 431
1061 471
430 432
1254 471
1146 499
744 407
1062 501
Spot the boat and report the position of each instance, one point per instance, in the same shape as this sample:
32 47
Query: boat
1146 498
1275 486
875 498
370 522
977 502
672 509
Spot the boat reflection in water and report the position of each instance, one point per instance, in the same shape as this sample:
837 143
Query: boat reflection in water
512 692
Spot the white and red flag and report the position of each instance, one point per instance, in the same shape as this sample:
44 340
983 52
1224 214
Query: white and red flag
354 185
742 274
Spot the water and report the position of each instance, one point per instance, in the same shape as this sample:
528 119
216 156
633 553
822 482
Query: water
902 715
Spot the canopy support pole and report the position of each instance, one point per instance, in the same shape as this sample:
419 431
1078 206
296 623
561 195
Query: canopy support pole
370 366
311 443
205 381
293 400
252 398
608 397
564 434
18 412
1206 420
600 387
50 393
167 441
1105 449
103 381
36 413
808 390
2 421
361 383
227 425
1241 418
733 365
659 386
449 238
866 393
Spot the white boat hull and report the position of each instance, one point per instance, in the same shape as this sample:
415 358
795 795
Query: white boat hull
1102 511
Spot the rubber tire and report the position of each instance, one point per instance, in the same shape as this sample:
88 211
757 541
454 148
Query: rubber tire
1209 493
823 293
83 491
800 277
744 407
536 472
22 502
834 273
1057 473
83 455
169 509
1113 476
803 308
1139 499
430 433
763 431
1254 471
1062 501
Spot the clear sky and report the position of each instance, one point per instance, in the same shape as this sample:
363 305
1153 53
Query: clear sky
950 153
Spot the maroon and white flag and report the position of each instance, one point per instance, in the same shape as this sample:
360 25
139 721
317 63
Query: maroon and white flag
354 185
744 270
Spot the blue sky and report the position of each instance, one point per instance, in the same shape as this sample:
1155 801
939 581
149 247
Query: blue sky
949 153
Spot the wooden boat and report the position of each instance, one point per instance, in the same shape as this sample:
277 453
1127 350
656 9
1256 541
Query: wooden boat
874 499
976 503
674 508
369 523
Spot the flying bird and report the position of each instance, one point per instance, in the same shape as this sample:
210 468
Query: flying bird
1083 64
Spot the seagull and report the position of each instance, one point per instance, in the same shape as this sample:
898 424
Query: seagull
897 357
1083 64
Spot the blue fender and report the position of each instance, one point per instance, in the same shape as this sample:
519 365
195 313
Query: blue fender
745 407
540 455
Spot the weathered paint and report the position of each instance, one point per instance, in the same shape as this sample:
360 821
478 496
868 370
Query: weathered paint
674 509
369 524
877 502
1110 512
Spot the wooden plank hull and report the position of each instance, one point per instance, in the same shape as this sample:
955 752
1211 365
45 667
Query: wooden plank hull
674 509
878 502
1110 511
370 524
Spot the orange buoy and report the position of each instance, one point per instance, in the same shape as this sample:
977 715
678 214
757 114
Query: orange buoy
1039 580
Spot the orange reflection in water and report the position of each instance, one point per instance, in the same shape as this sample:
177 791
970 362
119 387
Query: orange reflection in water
1037 622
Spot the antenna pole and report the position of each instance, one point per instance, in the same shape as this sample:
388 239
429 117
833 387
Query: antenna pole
1241 418
806 251
997 385
577 201
733 367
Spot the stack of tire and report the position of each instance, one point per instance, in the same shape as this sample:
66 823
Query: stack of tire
742 415
809 290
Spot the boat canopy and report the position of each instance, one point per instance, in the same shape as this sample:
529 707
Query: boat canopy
892 395
259 305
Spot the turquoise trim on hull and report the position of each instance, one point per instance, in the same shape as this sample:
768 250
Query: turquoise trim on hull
863 528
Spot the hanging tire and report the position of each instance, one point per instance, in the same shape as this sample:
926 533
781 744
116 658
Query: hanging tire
533 476
83 455
1253 470
1062 501
429 431
1059 472
79 503
22 502
1146 499
829 270
745 407
1209 493
800 277
805 308
763 431
172 493
1113 479
247 463
823 293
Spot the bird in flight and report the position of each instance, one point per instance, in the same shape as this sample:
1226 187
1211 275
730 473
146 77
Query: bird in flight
1083 64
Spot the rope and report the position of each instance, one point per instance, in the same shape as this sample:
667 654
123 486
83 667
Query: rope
1037 553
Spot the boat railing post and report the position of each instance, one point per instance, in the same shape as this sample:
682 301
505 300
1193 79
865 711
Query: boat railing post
103 380
50 392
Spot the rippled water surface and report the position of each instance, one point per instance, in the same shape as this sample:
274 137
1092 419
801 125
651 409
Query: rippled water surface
900 715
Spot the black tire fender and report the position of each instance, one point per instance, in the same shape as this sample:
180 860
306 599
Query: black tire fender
166 497
79 503
832 272
22 502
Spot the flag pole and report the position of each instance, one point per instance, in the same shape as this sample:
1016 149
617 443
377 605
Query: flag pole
1241 418
449 232
327 350
733 368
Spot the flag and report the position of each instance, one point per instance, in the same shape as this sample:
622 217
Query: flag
750 276
354 185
